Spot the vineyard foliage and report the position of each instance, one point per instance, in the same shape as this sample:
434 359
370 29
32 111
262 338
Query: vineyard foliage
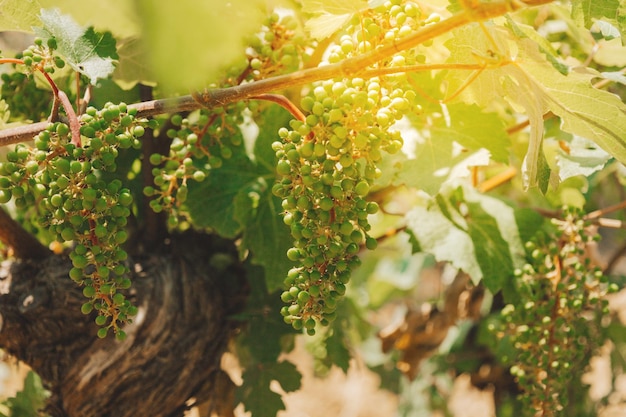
347 147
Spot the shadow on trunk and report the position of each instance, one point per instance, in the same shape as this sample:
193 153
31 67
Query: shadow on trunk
185 293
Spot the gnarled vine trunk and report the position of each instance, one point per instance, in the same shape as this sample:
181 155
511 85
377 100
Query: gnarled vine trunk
173 349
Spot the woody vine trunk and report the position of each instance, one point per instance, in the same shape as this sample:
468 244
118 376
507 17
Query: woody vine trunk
171 356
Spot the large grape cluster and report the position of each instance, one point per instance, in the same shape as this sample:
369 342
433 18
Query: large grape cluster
63 181
555 327
327 164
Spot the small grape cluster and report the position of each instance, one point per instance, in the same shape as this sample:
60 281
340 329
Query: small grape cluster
41 56
380 26
26 100
63 181
278 48
555 327
200 142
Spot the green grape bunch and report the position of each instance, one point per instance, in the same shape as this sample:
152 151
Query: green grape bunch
62 182
328 162
278 48
26 99
555 327
200 142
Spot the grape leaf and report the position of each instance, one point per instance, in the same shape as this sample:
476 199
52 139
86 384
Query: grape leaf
265 233
19 15
265 334
85 50
439 157
211 202
472 231
337 352
267 237
331 15
133 65
584 158
526 79
474 129
585 12
255 392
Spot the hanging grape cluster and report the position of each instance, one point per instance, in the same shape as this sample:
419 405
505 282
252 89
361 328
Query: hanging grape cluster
555 327
328 163
277 48
201 141
25 98
63 181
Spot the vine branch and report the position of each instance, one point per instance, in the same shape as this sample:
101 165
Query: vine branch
350 67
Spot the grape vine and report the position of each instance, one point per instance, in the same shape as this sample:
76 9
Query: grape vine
396 111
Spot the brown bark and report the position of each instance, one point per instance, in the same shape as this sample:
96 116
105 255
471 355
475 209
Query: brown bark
23 244
173 349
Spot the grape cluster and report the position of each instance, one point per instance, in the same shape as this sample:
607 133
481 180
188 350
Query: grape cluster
26 100
278 48
200 142
328 162
555 327
63 181
41 56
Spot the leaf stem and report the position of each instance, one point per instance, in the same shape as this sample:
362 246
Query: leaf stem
284 102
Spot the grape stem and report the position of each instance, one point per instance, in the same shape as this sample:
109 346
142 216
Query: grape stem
284 102
59 96
350 67
71 115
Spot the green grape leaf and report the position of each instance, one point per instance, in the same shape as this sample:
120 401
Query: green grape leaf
211 203
85 50
472 231
266 336
337 352
255 392
474 129
269 121
19 15
191 42
586 12
30 399
267 237
265 233
133 65
331 15
439 158
584 158
529 81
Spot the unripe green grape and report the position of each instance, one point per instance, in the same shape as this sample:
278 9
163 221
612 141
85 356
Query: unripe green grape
100 320
371 243
86 308
89 291
293 254
120 335
76 274
362 188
